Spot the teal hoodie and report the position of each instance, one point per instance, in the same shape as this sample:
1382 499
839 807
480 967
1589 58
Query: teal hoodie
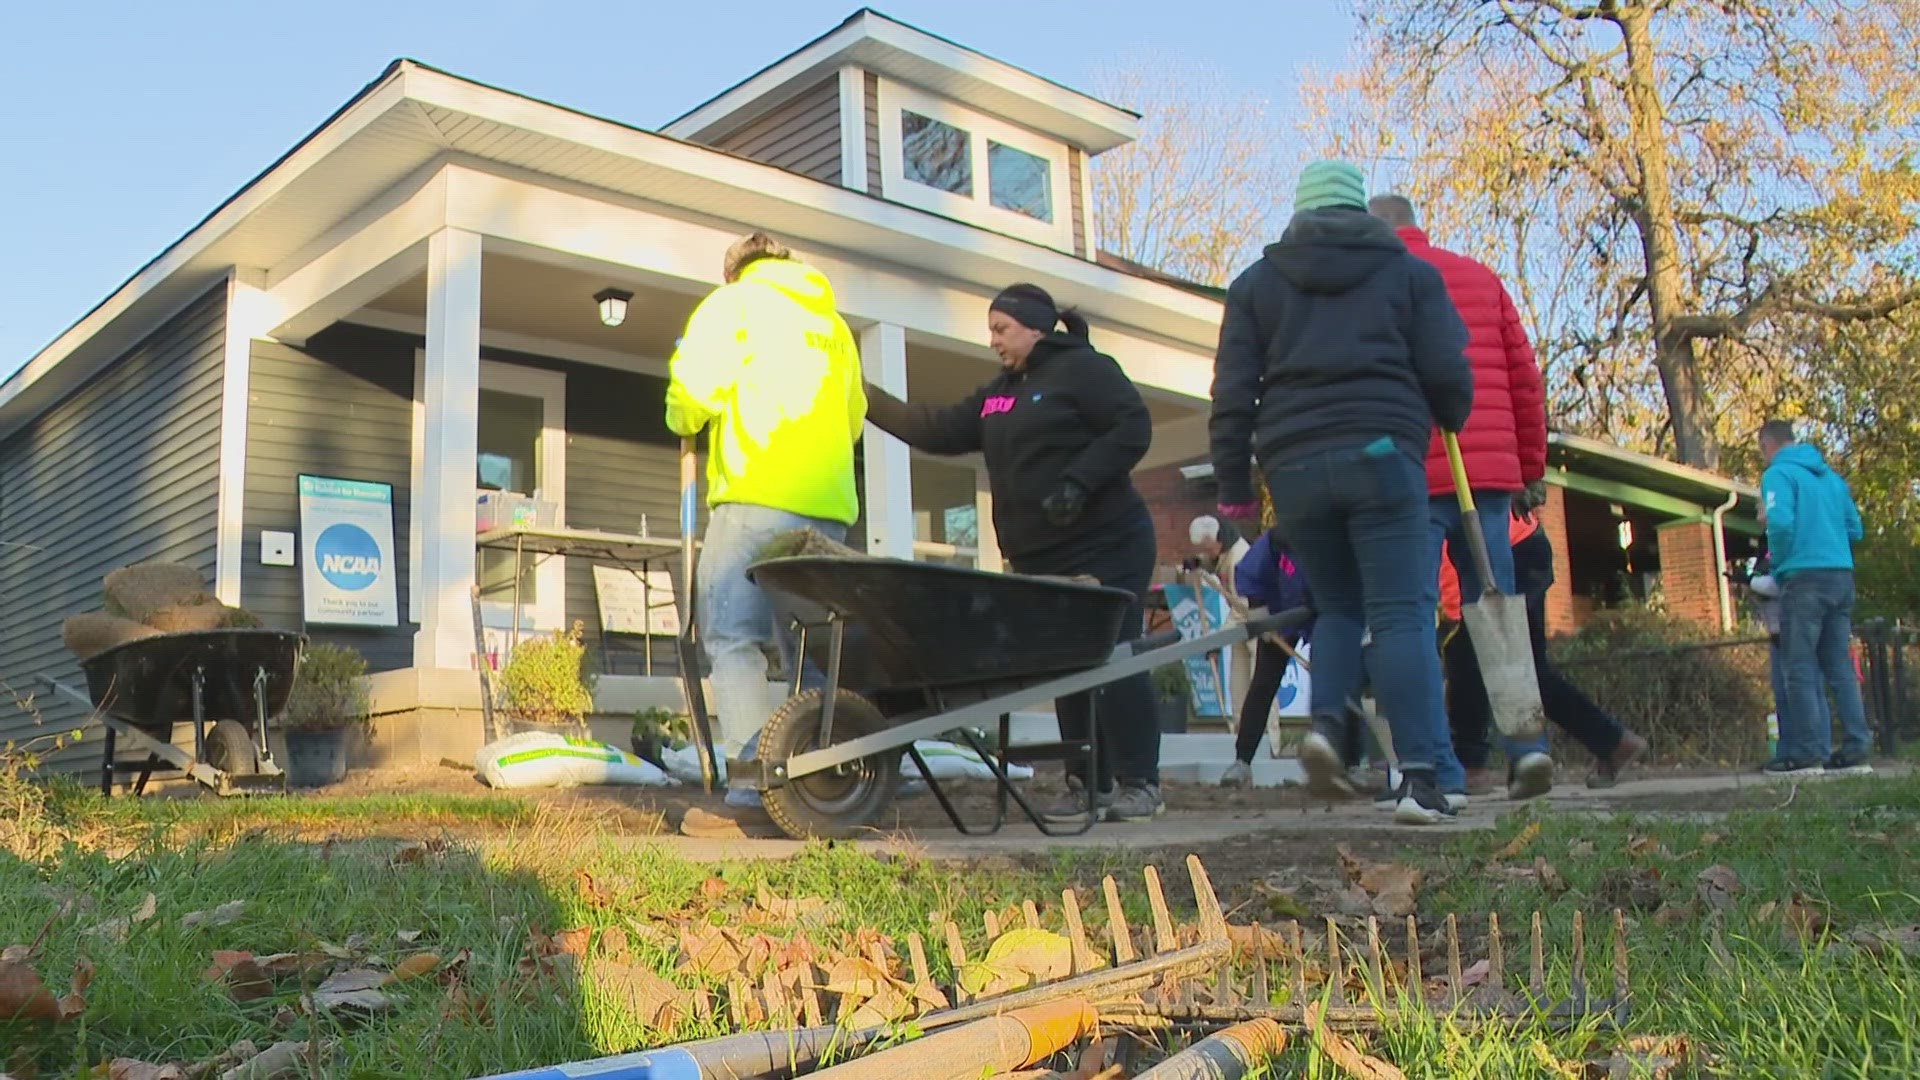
1812 522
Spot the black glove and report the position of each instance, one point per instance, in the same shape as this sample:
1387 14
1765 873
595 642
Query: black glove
1064 505
1533 496
1191 562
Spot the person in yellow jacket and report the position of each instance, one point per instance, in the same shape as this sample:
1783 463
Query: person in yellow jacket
771 372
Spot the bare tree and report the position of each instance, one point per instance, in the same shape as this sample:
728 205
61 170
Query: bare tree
1196 195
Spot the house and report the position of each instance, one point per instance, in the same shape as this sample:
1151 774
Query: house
410 299
1623 525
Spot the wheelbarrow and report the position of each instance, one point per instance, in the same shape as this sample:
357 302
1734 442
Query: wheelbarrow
919 650
227 683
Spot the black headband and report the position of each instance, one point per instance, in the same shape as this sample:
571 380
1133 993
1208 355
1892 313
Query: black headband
1029 311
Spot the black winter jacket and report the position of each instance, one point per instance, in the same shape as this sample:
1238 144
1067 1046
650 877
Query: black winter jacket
1336 337
1071 415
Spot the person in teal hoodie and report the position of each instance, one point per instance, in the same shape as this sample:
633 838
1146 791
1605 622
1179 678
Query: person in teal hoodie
1812 525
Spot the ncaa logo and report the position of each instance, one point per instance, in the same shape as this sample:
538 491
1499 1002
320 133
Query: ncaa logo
349 557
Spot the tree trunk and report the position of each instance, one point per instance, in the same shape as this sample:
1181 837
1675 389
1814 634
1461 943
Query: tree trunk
1674 356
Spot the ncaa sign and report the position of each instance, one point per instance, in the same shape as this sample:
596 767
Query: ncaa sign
347 575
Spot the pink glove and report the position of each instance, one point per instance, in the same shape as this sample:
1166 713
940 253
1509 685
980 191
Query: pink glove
1240 511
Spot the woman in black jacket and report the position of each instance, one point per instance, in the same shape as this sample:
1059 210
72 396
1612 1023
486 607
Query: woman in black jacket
1061 428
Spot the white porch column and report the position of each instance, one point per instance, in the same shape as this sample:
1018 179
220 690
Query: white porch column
883 353
450 394
985 536
249 315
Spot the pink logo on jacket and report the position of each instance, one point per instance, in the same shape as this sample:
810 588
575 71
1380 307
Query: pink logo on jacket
998 404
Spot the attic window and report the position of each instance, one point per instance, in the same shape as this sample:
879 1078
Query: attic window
1019 181
936 154
943 157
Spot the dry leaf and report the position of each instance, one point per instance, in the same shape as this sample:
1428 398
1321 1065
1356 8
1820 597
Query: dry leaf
1645 1057
713 888
711 952
413 967
406 937
643 995
1550 880
1519 843
803 909
1580 849
22 995
135 1069
1392 886
1717 885
1710 839
1017 959
1258 943
1675 914
117 929
596 895
245 979
1476 973
1639 889
1345 1055
224 915
1645 846
277 1062
1801 920
1878 941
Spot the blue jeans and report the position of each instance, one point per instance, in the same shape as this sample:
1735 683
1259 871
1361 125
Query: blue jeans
1357 520
736 617
1447 527
1816 627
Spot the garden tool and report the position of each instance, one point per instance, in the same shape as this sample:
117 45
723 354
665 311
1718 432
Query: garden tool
1497 623
691 667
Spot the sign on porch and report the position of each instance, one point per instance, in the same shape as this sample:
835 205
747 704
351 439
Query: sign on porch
633 604
347 575
1197 612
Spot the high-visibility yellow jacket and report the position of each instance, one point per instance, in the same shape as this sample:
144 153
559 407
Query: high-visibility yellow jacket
771 371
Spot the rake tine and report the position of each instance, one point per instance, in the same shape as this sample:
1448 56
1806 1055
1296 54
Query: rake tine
992 921
1076 932
1164 939
1296 941
1031 913
1620 991
737 1001
917 951
1454 978
1538 983
1496 953
1579 981
1117 923
1262 993
1213 921
1373 953
1415 977
1336 965
957 956
878 954
777 1005
810 1003
703 1005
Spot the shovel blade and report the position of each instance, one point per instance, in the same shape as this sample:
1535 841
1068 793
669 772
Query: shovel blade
1504 647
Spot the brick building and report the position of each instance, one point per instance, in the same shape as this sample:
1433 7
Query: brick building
1624 525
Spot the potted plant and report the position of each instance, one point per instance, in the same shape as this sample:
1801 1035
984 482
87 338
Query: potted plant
657 729
545 685
328 700
1173 691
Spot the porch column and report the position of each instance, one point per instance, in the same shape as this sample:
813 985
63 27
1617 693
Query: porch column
450 394
883 354
985 536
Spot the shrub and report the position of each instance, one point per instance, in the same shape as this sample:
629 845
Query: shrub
329 690
545 680
1172 681
1697 697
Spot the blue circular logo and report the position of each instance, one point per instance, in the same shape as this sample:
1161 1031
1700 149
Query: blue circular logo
349 557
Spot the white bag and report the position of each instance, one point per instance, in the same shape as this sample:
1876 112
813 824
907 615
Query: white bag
540 759
949 761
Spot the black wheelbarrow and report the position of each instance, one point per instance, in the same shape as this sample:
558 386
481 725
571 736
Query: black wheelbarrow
919 650
227 683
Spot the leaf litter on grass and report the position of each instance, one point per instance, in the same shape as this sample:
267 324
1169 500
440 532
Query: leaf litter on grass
24 996
1392 889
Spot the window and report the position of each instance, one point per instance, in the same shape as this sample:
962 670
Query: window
940 156
936 154
511 427
1019 181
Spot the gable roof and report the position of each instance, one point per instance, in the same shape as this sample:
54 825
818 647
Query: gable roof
875 42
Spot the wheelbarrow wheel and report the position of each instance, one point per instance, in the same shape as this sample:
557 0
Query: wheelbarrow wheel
230 748
836 804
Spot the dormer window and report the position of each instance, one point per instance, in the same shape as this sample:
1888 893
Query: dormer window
943 157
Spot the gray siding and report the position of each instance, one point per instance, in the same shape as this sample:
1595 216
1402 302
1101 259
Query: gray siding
342 406
124 470
1076 163
873 133
802 134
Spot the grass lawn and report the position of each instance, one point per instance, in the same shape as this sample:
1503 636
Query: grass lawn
1759 967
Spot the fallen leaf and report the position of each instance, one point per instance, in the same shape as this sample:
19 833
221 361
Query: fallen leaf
1639 889
574 943
415 966
596 895
276 1062
1392 887
1710 839
22 995
713 888
1344 1055
1519 843
1352 900
353 981
1717 886
1878 941
335 951
224 915
1645 845
135 1069
1644 1057
801 909
711 952
245 979
644 996
1018 959
1671 914
1476 973
1580 849
406 937
1258 943
464 1004
1550 880
117 929
1801 920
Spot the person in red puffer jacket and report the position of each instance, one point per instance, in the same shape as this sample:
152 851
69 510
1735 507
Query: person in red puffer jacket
1504 445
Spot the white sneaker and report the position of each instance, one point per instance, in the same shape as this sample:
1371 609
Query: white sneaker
1326 772
1532 777
1238 775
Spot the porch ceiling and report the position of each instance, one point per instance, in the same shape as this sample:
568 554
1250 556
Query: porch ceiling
935 375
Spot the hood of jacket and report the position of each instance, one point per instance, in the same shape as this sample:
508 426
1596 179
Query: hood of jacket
1333 251
1801 456
1057 343
807 286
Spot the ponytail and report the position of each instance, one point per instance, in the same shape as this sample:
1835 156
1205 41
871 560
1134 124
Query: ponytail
1076 325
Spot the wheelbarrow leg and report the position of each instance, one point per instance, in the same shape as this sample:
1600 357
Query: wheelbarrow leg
107 773
1007 790
946 804
146 773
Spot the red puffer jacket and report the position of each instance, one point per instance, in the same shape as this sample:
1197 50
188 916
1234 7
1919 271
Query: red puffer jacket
1505 441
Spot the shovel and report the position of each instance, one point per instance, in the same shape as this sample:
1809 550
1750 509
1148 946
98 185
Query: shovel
689 644
1497 624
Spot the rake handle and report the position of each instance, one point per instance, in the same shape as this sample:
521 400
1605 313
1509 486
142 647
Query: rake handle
1470 516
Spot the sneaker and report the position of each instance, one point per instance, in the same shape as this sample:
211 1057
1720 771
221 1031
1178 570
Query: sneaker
1320 760
1479 781
1793 767
1071 806
1421 803
1389 800
1532 777
1238 774
1607 770
1136 801
1845 764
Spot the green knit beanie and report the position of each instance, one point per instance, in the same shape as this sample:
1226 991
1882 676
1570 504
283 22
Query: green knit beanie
1330 183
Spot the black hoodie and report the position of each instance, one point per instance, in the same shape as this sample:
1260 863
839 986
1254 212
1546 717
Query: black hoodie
1071 415
1336 337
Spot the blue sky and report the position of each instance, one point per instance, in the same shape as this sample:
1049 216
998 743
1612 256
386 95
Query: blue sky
125 123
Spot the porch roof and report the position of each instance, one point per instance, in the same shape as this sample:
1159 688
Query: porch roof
414 119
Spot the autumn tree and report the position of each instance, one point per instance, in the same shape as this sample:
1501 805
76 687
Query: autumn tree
1715 173
1196 195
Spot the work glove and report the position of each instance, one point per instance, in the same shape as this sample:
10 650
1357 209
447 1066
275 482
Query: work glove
1533 496
1063 507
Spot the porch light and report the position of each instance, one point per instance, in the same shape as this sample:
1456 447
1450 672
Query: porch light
613 305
